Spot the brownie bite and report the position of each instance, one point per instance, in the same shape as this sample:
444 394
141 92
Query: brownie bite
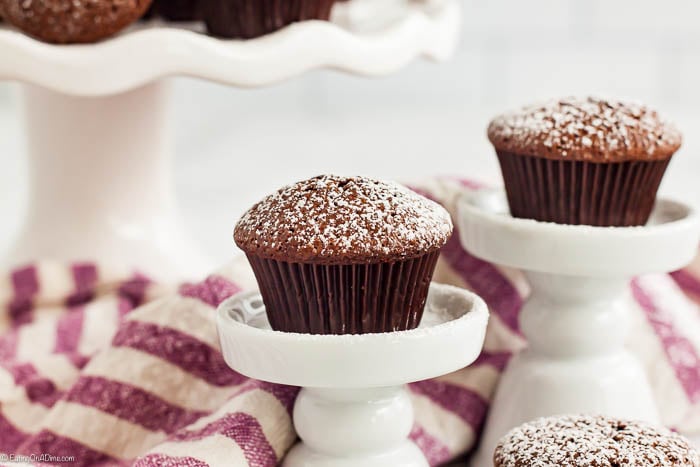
593 441
344 255
584 160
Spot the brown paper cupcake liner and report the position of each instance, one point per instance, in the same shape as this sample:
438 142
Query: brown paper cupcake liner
178 10
246 19
579 192
344 299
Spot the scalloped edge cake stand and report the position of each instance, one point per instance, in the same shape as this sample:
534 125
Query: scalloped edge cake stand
576 319
354 409
97 120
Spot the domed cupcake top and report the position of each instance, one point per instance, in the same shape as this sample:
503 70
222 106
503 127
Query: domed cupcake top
589 441
66 22
588 129
330 219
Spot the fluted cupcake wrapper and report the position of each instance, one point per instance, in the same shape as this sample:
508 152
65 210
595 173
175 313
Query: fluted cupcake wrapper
580 192
247 19
178 10
344 299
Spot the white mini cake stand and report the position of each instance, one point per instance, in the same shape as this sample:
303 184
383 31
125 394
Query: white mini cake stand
354 409
97 119
576 320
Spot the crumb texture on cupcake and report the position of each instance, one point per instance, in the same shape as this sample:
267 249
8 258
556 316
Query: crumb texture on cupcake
64 21
593 441
331 220
589 129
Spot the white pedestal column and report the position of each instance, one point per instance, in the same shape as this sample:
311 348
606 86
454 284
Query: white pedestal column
353 427
354 409
101 184
576 360
576 319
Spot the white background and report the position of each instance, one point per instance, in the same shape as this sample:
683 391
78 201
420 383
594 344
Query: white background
234 146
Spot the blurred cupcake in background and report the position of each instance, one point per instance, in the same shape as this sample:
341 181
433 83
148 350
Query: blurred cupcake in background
584 160
593 441
344 255
246 19
71 22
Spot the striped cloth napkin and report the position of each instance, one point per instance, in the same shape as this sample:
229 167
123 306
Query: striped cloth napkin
96 369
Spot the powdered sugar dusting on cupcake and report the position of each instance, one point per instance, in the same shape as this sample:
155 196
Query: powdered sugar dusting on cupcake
329 218
586 129
593 441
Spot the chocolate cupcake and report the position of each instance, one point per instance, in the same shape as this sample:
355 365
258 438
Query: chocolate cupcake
587 441
178 10
344 255
584 161
67 22
246 19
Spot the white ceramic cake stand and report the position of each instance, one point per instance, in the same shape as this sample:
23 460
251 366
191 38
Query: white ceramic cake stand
576 320
354 409
97 119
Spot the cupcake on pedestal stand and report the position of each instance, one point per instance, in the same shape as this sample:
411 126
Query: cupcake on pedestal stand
344 267
576 319
97 125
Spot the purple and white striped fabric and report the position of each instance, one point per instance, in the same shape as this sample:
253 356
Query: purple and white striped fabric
123 371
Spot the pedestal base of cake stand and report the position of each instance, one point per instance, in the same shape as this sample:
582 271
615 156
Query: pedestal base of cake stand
353 408
576 320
